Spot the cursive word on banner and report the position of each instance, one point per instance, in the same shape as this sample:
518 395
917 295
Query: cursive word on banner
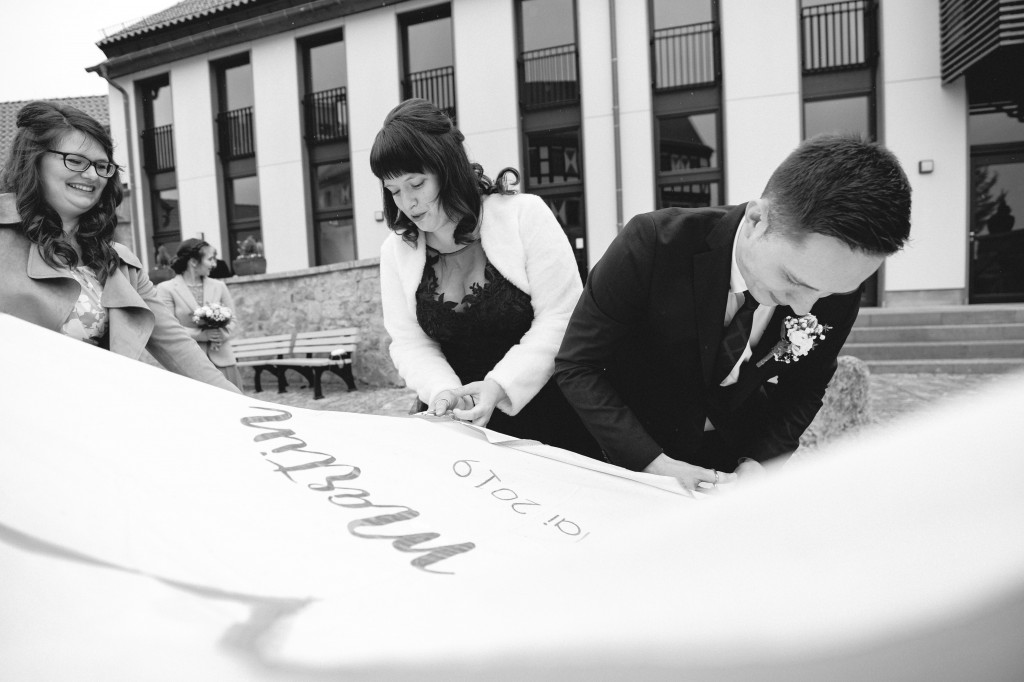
291 456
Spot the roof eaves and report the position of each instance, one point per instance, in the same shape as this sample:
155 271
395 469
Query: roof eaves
183 12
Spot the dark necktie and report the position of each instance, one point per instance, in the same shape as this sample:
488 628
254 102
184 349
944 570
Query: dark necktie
734 342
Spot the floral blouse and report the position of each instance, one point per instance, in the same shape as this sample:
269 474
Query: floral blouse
88 320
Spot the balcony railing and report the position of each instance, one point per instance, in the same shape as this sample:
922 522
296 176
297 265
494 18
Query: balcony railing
158 149
434 85
549 77
684 56
235 130
326 116
837 36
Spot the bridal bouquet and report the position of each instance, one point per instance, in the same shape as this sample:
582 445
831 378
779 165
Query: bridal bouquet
212 316
799 336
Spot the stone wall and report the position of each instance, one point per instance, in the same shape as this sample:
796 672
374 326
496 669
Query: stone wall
324 297
845 407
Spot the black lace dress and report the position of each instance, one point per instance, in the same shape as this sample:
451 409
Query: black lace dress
476 315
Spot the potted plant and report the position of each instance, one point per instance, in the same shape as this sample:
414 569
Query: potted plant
250 260
161 270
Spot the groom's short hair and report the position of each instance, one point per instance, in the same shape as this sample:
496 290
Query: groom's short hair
844 187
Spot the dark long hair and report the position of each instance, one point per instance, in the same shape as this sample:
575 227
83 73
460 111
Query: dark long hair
418 137
187 250
41 126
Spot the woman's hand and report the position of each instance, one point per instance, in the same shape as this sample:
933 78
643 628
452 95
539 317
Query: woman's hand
446 401
688 474
212 336
477 400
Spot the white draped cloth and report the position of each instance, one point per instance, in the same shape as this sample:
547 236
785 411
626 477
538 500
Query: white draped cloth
152 527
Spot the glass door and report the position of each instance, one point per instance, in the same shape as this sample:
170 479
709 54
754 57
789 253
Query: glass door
997 226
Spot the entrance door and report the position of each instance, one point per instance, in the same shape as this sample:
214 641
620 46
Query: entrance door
997 225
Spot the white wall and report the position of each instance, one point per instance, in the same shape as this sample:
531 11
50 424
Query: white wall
926 120
372 50
636 132
598 129
761 91
195 150
277 108
485 82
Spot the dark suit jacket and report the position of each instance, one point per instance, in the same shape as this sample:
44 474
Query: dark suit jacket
637 357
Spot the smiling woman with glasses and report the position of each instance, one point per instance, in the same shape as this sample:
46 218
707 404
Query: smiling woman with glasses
79 164
59 265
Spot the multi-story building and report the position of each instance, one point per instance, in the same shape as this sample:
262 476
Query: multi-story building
255 117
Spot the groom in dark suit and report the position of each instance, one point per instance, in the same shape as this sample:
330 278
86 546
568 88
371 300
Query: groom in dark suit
668 357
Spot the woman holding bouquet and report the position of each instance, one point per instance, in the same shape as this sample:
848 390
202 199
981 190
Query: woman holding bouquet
202 304
59 266
477 283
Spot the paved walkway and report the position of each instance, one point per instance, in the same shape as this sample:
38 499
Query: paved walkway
891 395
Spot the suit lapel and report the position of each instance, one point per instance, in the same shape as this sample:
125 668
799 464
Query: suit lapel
712 270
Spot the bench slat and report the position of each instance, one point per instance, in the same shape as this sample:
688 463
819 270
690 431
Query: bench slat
283 351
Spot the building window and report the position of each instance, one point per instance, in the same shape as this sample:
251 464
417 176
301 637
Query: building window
158 125
327 147
996 234
688 160
555 173
334 234
428 56
243 198
548 71
166 223
687 99
839 51
684 44
237 149
839 115
836 35
839 54
325 102
158 163
235 117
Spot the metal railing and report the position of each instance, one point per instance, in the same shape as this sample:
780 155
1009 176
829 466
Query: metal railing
837 36
684 56
235 129
158 149
434 85
549 76
326 115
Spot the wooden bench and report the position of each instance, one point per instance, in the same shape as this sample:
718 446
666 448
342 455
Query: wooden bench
308 353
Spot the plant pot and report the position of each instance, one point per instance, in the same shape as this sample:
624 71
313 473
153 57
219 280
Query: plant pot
157 275
249 266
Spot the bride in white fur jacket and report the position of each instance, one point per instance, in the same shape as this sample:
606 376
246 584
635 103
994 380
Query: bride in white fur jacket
477 283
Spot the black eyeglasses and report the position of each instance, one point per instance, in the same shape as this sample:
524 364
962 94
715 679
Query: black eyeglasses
80 164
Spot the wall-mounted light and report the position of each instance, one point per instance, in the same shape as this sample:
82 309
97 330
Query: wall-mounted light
926 166
378 216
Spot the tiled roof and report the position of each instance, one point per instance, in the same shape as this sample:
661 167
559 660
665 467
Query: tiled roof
186 10
95 105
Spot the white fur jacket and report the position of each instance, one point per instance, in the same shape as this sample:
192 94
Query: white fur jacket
522 239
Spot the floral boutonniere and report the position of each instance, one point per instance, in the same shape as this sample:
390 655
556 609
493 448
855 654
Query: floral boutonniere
799 336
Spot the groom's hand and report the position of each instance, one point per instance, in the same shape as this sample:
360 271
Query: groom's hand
688 474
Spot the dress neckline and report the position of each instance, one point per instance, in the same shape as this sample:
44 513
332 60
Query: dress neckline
432 250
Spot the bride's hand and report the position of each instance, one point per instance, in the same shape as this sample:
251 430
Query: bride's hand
482 397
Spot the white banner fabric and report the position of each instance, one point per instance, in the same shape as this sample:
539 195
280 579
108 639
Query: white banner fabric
153 527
